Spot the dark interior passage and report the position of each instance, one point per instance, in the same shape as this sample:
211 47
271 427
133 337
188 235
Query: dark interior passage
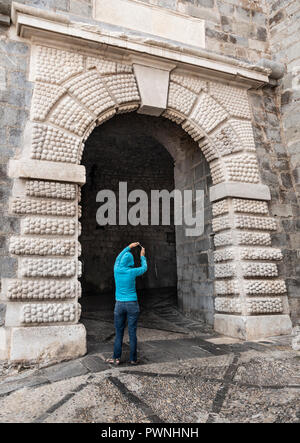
125 149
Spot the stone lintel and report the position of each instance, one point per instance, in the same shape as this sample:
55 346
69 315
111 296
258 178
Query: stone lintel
239 190
47 343
253 327
45 170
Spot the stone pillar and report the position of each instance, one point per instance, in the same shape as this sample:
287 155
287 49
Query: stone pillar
42 309
251 301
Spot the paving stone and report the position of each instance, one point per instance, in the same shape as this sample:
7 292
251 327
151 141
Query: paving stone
29 382
94 363
64 370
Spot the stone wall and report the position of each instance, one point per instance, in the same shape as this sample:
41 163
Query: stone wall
15 97
195 265
236 28
276 172
284 33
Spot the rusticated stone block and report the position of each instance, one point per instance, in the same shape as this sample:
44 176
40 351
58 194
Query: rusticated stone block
228 305
242 168
254 238
208 113
223 239
248 222
50 313
220 208
261 254
221 223
194 84
223 255
89 89
47 268
252 206
45 95
265 305
42 289
227 287
224 270
180 99
48 226
49 143
234 99
123 87
71 116
25 246
55 65
43 207
265 287
39 188
260 270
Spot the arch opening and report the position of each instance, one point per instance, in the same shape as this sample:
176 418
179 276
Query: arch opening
146 153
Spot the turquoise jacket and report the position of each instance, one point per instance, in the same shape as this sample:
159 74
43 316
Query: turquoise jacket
125 274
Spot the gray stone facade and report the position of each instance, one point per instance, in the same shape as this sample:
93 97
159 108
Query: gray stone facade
243 30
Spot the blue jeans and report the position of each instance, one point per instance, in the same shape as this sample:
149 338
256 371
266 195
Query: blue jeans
126 310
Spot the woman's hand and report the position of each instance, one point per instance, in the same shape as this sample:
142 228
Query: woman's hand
142 252
133 245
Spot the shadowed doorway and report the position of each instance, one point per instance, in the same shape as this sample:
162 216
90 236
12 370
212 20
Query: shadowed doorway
141 151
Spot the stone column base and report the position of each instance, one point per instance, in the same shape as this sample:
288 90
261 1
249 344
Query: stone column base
252 327
47 344
4 343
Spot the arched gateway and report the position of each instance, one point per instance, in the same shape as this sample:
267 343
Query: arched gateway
77 88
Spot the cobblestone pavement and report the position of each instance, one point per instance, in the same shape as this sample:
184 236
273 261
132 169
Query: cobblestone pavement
187 374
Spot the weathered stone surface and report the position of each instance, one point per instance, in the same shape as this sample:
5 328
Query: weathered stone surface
253 327
251 191
47 343
65 370
153 86
296 339
47 170
2 314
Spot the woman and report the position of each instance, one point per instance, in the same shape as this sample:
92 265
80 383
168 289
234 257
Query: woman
126 306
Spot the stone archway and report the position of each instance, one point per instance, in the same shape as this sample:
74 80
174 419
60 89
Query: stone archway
75 91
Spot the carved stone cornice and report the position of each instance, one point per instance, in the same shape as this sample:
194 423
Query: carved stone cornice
37 24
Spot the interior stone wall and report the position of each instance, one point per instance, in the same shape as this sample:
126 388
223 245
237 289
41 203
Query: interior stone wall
195 265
